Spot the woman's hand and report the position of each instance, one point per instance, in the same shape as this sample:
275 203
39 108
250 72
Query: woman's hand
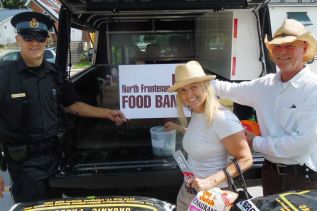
173 126
202 184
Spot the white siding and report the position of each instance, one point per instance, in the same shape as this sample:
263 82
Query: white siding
7 32
76 35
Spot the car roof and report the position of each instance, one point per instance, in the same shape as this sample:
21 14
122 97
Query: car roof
93 14
6 52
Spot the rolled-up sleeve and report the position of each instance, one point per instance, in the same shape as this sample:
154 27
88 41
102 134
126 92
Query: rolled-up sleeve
69 94
243 93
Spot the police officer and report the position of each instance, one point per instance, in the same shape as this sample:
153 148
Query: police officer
31 91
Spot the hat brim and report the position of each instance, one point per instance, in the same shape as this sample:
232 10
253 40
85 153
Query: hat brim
37 32
182 83
308 37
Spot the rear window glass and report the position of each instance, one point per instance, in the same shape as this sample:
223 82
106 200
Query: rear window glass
150 48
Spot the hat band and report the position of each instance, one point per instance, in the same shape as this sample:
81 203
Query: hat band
26 25
190 77
284 35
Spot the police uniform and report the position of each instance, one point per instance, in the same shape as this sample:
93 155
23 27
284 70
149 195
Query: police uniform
30 118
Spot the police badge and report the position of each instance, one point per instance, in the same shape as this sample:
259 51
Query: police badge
34 23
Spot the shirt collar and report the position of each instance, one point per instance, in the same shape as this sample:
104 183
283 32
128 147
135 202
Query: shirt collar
296 81
47 66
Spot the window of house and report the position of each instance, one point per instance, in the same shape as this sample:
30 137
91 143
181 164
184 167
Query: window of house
301 17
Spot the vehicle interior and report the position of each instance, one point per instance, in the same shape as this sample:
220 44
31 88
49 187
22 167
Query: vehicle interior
107 159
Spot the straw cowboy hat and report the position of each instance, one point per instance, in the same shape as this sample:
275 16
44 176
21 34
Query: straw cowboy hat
188 73
291 31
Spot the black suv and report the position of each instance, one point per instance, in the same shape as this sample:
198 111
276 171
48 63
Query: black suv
105 159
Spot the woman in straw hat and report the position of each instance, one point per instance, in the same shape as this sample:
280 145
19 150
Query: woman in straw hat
213 133
286 109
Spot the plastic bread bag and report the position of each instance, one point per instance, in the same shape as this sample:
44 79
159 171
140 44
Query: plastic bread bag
212 200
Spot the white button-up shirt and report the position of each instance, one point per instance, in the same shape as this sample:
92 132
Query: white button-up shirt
286 113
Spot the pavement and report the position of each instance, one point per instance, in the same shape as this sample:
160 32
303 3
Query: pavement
6 202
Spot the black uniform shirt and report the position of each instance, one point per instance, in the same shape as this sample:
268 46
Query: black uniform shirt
29 101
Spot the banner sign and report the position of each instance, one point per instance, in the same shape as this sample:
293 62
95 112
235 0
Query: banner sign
143 91
292 200
92 203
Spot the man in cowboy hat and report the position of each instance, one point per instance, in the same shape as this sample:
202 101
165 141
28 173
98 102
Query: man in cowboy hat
32 91
286 109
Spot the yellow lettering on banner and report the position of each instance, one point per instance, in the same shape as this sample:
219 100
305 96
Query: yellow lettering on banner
283 197
70 210
285 208
96 206
304 207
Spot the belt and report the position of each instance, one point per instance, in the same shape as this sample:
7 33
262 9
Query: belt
42 146
283 169
21 152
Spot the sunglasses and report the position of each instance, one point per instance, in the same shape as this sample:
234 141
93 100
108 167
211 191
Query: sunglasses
31 37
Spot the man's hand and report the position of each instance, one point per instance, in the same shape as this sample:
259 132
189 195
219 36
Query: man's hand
1 186
116 116
86 110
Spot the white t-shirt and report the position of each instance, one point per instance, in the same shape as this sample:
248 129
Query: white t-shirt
206 153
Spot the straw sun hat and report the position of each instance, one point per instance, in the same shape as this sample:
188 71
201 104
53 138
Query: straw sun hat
291 31
188 73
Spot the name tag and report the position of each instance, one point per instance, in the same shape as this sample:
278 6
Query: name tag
18 95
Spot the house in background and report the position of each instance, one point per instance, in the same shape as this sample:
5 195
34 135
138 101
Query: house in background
79 39
51 8
7 31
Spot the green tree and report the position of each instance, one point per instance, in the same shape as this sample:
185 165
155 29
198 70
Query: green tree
13 4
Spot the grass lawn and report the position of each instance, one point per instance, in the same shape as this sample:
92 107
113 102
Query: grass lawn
81 65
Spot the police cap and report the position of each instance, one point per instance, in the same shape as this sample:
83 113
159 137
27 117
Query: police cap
32 22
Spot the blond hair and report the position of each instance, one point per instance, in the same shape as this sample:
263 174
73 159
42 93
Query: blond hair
211 104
